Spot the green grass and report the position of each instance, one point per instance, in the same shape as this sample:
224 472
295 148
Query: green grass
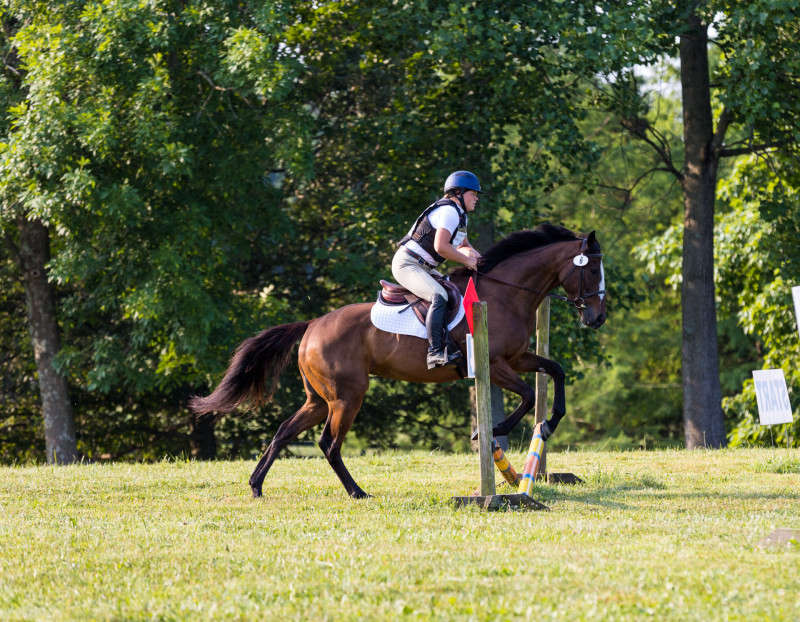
663 534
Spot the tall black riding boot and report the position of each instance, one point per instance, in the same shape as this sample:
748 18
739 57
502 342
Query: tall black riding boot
434 322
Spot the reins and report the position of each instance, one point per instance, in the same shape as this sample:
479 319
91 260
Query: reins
577 302
486 275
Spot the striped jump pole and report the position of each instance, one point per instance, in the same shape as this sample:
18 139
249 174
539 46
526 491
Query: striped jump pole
532 462
504 466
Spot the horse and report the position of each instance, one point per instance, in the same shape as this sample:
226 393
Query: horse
341 349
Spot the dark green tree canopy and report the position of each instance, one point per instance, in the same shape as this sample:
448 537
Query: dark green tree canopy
206 169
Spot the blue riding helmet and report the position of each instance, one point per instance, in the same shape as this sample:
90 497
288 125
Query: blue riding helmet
463 180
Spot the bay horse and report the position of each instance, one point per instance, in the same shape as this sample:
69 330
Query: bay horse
340 350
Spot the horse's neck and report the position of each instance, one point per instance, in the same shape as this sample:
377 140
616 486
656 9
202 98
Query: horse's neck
523 280
535 271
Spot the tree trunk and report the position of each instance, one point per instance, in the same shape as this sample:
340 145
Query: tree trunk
33 254
483 238
702 395
202 440
498 415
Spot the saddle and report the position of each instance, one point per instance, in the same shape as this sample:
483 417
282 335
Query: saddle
393 294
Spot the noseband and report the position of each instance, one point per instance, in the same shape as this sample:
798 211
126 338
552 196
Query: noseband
580 260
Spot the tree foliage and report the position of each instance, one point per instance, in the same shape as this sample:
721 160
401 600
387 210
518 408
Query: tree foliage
133 144
758 266
207 169
731 107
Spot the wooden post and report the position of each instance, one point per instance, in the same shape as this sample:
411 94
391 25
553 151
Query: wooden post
542 349
488 499
483 396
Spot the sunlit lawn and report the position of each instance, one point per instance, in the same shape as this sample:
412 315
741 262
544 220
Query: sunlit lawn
667 534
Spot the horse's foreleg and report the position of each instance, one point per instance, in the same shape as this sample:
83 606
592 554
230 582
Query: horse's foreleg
529 362
505 377
312 413
340 418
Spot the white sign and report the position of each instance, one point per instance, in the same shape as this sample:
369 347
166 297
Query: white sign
772 397
470 356
796 296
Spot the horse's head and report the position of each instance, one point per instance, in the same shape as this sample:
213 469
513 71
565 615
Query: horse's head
584 281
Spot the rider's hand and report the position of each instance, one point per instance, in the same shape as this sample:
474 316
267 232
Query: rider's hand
471 262
468 250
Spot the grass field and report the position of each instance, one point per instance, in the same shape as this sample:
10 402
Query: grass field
662 534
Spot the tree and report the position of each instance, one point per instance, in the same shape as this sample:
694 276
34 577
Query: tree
409 94
27 240
203 170
758 264
133 177
19 398
744 104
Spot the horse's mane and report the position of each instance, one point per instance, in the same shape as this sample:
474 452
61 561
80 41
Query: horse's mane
519 242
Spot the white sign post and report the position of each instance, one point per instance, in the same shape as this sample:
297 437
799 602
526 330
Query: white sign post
772 397
796 296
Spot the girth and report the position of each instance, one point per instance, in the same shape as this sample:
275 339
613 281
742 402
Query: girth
394 294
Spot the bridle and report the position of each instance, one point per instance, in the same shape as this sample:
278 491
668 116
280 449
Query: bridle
581 260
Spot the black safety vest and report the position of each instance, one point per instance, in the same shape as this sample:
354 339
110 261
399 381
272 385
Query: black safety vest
423 232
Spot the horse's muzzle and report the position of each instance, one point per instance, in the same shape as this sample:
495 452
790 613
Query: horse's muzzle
593 320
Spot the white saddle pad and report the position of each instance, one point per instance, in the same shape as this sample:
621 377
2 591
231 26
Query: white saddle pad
392 320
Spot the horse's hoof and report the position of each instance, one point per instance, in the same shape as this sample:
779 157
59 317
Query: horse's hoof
360 494
256 492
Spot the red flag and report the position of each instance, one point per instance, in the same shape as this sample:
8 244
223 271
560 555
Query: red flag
470 296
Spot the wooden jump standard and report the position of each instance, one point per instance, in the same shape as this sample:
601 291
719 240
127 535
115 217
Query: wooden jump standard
488 499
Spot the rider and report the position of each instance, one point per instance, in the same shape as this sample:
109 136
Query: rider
439 233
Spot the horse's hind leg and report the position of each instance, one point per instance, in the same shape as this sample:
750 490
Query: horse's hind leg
312 413
342 413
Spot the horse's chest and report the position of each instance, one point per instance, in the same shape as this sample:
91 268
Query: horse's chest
510 339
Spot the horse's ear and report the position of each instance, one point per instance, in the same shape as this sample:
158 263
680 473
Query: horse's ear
591 240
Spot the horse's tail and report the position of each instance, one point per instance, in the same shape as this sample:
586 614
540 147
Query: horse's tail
257 360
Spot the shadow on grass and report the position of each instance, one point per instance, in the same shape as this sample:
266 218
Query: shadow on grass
636 500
